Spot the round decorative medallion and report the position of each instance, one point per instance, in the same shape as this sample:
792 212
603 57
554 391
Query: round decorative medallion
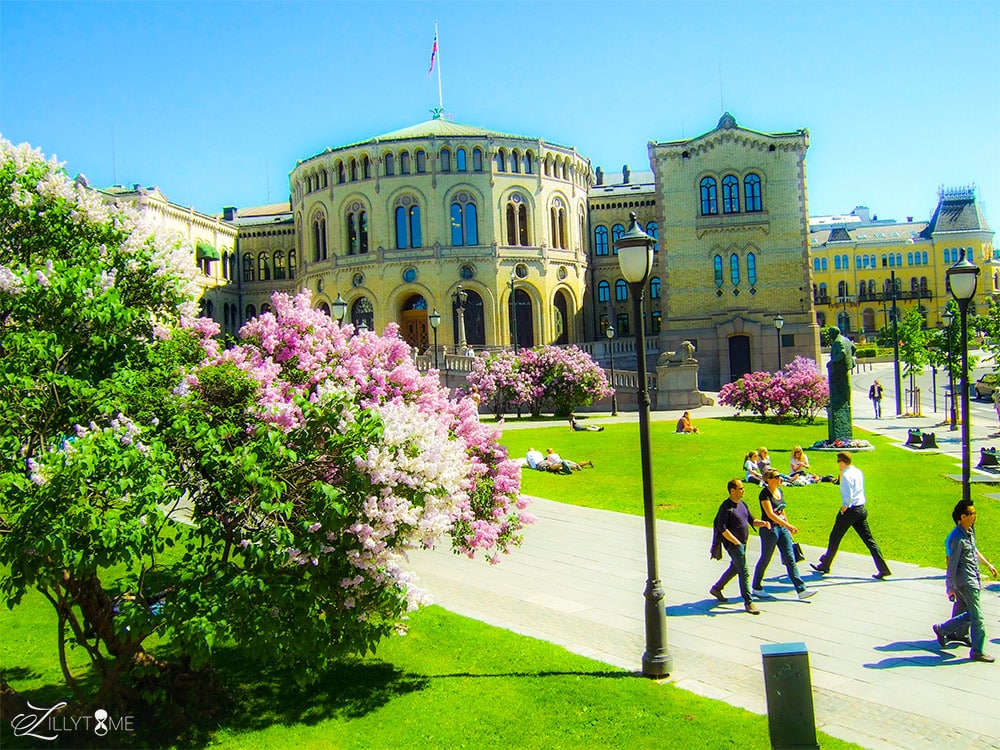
563 273
521 271
467 272
358 280
410 275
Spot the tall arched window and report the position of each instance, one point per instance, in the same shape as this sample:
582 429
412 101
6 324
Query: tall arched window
445 160
751 193
617 232
363 312
404 162
515 161
836 262
248 274
251 312
279 264
390 164
557 216
477 159
654 287
421 161
291 264
341 177
730 194
354 169
263 267
407 223
501 160
734 269
357 229
709 197
319 239
621 290
517 220
604 292
464 221
601 240
752 269
528 163
653 230
717 270
460 160
366 167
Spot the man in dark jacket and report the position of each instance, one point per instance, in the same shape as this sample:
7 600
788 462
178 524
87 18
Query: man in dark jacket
732 529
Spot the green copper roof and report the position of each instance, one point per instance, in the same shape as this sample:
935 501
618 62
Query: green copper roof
439 127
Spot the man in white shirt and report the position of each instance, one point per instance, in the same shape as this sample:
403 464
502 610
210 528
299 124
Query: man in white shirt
853 514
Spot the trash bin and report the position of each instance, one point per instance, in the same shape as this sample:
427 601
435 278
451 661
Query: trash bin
788 686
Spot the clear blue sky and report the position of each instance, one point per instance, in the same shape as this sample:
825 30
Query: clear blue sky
214 102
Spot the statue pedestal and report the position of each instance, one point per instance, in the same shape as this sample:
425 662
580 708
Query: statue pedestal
677 381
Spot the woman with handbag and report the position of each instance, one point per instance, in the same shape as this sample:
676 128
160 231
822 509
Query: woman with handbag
772 508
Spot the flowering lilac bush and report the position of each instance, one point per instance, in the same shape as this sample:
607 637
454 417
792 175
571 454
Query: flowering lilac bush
150 482
546 378
798 389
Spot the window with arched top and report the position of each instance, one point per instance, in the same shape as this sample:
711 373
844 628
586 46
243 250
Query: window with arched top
621 291
362 311
477 159
734 269
404 162
654 287
263 267
617 232
752 269
601 240
408 234
341 176
366 167
445 159
730 194
421 159
251 312
319 239
354 169
389 164
709 197
291 264
604 292
557 219
717 270
278 260
515 161
501 161
464 221
751 193
529 166
653 230
248 273
357 229
517 220
836 262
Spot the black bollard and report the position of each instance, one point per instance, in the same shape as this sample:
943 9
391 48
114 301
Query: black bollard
787 683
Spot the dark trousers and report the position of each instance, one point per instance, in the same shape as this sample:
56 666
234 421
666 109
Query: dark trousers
780 537
856 518
737 569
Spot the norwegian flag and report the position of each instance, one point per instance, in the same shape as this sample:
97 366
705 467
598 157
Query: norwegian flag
434 52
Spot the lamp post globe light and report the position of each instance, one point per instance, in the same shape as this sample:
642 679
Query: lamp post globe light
779 323
610 333
339 308
513 310
460 298
635 257
435 321
948 318
962 278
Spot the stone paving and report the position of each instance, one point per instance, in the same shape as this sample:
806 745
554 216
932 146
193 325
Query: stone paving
879 678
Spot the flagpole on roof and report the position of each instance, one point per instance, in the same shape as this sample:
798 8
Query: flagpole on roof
440 96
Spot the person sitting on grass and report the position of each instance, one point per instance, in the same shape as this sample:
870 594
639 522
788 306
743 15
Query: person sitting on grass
583 428
563 466
684 424
751 468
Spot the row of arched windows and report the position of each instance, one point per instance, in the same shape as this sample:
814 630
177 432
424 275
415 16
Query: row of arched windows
266 263
621 290
622 323
955 254
889 260
752 199
735 275
603 247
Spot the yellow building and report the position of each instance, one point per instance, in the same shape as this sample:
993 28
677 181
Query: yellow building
856 257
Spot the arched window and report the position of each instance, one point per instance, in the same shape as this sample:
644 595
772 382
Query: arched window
407 223
390 164
709 197
621 290
528 163
604 292
477 159
617 232
752 269
319 239
909 259
341 178
653 230
899 259
923 258
263 267
815 264
871 288
730 194
404 162
923 283
914 284
363 312
291 264
517 220
279 264
862 288
717 270
357 229
601 240
836 262
421 161
842 289
445 160
654 287
892 259
734 269
557 216
460 160
248 274
515 161
501 159
366 167
751 193
464 221
354 169
857 261
251 312
823 263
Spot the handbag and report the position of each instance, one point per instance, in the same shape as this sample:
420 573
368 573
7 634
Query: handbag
797 550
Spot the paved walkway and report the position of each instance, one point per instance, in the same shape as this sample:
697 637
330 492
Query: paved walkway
879 678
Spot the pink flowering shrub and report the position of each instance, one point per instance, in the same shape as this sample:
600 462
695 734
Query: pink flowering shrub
799 389
500 381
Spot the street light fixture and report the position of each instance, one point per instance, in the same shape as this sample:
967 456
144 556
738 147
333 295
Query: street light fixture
363 327
948 317
895 340
460 297
635 257
435 320
339 308
513 309
779 323
962 278
610 333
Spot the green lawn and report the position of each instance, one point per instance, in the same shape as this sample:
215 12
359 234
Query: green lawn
910 500
451 683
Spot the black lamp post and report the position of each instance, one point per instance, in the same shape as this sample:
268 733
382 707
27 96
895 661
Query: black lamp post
435 321
610 333
635 257
895 344
779 323
948 318
460 297
962 278
339 308
513 310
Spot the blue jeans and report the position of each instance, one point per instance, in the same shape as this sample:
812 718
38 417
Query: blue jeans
737 569
780 537
968 618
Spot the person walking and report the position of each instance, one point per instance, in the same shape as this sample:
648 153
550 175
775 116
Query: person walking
731 531
772 509
853 514
875 394
964 586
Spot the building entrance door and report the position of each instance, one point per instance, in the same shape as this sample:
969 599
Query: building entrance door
739 357
414 327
